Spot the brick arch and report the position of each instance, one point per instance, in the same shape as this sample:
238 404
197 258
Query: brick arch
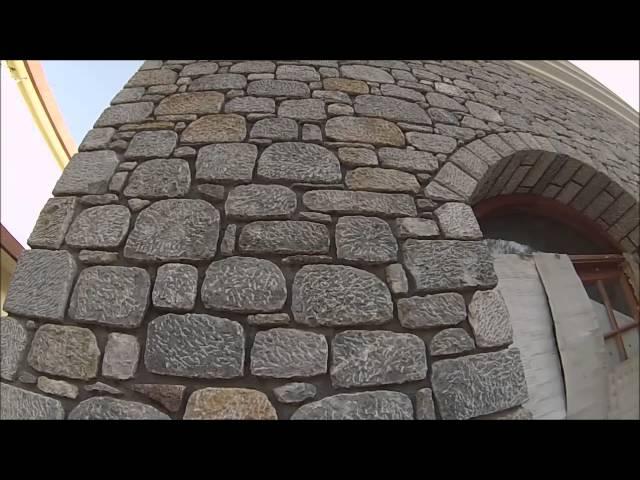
548 174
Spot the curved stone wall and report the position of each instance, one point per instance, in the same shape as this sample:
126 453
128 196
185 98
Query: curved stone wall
279 239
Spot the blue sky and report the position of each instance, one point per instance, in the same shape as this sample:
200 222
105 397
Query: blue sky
83 89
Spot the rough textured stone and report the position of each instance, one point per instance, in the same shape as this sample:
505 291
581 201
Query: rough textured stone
254 66
366 130
332 96
455 180
87 172
416 228
229 404
518 413
104 199
408 160
295 392
451 341
458 222
337 295
13 342
381 180
376 405
136 204
218 81
357 157
431 142
94 257
307 259
228 243
121 356
399 92
117 182
126 113
191 103
479 384
353 87
102 388
284 238
169 396
397 279
153 144
287 353
275 129
441 265
160 179
366 73
128 95
230 163
174 230
65 351
241 284
145 78
199 68
114 296
97 139
213 193
215 128
365 240
251 202
365 203
311 133
425 409
269 319
301 162
308 109
195 345
489 319
59 388
175 287
99 227
19 404
127 166
390 109
250 105
484 113
41 284
437 192
53 222
370 358
302 73
431 310
278 88
443 101
106 408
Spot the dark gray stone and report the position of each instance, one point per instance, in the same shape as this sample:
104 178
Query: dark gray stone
365 240
106 408
218 81
14 339
216 128
484 113
451 341
102 388
437 310
153 144
19 404
118 115
311 133
284 238
375 131
228 163
99 227
299 162
296 392
416 228
370 358
269 319
518 413
128 95
479 384
136 204
287 353
337 295
176 287
195 345
444 265
228 243
117 182
174 230
241 284
443 101
399 92
275 129
377 405
65 351
390 109
458 222
365 203
432 142
425 409
252 202
408 160
307 259
121 356
87 172
41 284
332 96
160 179
97 139
53 222
213 193
95 200
489 319
278 88
96 257
357 157
114 296
169 396
397 279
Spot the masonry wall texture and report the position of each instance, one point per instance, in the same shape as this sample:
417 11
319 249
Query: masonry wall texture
293 239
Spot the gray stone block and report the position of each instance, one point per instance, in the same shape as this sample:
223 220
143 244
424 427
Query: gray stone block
53 222
99 227
160 179
253 202
176 287
14 339
87 173
299 162
20 404
106 408
365 240
437 310
230 163
376 405
284 238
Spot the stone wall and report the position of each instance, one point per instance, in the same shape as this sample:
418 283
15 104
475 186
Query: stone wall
258 239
